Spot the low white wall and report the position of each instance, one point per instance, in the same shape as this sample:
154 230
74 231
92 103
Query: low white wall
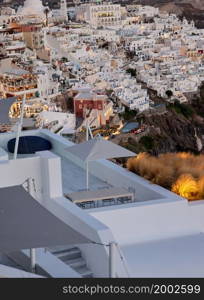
15 172
197 210
151 221
118 176
44 168
51 173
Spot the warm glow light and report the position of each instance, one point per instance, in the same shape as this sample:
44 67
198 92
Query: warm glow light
186 186
182 173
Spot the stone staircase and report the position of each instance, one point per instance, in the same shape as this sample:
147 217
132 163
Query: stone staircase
72 257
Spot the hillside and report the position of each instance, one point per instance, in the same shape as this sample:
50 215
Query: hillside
192 10
196 3
180 128
199 4
172 8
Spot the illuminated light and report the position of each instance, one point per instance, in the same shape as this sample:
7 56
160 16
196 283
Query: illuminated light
184 155
186 186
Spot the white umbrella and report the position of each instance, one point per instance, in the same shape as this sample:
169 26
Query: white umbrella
98 148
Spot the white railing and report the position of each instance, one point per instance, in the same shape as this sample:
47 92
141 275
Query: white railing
112 258
123 260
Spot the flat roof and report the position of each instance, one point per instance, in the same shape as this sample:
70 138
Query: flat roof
172 257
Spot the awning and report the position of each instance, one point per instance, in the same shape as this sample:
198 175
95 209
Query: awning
98 148
25 223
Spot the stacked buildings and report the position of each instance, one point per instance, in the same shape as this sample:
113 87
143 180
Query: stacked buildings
85 72
101 14
170 55
167 55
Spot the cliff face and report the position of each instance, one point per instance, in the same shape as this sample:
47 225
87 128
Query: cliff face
196 3
172 132
179 129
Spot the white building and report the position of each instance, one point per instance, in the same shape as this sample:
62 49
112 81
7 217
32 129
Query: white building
56 121
63 9
47 85
106 14
158 234
60 15
133 96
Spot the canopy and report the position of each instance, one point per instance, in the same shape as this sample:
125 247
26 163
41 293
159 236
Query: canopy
5 105
25 223
98 148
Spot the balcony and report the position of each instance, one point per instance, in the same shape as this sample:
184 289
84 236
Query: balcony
20 91
17 84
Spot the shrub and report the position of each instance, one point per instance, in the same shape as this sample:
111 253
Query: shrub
129 114
147 142
183 109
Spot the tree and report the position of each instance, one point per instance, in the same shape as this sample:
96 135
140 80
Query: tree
169 93
147 141
37 94
129 114
132 72
64 59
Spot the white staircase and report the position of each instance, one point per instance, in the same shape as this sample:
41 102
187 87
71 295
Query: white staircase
72 257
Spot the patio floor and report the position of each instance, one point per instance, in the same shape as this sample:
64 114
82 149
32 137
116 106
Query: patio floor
74 178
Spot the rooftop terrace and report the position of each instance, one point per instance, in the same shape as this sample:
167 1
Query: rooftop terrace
103 173
146 229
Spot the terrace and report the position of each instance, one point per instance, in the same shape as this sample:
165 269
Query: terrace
102 172
57 173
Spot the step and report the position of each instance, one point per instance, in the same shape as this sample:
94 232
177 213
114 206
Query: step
72 257
69 255
64 249
88 275
58 248
76 263
84 272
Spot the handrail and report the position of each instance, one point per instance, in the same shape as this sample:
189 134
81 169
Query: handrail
119 252
123 260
